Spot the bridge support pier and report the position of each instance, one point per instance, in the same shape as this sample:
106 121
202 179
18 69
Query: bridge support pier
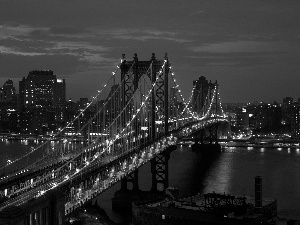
213 146
56 211
132 178
123 198
160 171
213 134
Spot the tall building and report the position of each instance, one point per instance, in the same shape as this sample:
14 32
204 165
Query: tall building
242 117
42 89
82 103
287 108
268 117
200 92
295 121
8 106
42 97
59 92
7 92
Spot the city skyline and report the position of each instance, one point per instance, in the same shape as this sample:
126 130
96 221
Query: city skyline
251 48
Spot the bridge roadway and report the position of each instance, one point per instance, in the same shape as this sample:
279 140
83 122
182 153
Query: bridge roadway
48 185
36 170
59 182
63 181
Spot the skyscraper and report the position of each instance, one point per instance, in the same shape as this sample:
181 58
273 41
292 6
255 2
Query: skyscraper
42 89
8 91
287 113
295 121
59 93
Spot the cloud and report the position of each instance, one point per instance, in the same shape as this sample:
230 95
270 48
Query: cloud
143 35
236 59
10 30
7 50
67 30
76 46
159 32
21 64
239 46
30 41
243 53
25 44
197 12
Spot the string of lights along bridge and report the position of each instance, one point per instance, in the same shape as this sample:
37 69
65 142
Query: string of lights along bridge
138 115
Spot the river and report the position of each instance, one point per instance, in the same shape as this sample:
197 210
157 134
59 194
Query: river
231 171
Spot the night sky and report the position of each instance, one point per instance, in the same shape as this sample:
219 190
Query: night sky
252 47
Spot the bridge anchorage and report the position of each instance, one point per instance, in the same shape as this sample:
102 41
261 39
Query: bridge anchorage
134 118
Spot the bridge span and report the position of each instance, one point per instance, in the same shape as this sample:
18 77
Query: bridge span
141 119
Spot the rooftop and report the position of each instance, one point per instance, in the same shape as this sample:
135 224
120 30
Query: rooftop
229 205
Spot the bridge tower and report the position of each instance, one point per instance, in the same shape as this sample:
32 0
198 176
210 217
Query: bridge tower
213 130
200 93
158 72
159 108
160 99
130 85
214 105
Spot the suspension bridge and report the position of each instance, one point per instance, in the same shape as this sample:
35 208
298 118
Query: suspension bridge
137 116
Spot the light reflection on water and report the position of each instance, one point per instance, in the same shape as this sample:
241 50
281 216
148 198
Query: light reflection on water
279 169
